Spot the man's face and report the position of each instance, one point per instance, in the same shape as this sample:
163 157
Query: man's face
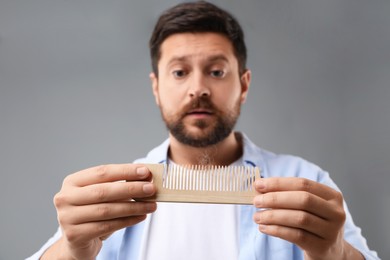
199 89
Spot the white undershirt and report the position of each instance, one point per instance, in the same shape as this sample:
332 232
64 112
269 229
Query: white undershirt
179 231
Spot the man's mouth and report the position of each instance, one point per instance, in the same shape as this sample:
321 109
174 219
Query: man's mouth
200 111
199 114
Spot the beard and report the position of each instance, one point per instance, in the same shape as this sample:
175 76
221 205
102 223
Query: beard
211 133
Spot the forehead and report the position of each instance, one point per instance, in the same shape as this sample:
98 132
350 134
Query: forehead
196 46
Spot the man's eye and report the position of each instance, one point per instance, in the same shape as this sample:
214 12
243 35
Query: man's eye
179 73
217 73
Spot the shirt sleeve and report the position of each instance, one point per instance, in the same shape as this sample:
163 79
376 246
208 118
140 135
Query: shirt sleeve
352 233
48 244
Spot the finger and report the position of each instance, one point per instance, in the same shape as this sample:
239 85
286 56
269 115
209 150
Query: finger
104 192
108 173
302 238
102 238
89 231
295 219
265 185
107 211
299 200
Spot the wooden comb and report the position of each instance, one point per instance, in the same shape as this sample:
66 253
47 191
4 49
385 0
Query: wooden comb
203 184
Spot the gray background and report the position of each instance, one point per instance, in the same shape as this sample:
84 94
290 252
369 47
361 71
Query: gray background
74 93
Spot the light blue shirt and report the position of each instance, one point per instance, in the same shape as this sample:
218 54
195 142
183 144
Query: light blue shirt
126 243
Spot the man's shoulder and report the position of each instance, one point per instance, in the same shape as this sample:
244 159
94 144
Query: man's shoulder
281 165
156 155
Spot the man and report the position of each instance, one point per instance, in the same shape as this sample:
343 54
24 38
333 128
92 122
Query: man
199 82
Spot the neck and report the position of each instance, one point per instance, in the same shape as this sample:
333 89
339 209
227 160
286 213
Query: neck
223 153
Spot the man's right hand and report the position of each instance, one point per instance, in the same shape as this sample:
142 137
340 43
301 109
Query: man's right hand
94 203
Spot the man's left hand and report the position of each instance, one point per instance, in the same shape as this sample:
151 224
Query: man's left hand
306 213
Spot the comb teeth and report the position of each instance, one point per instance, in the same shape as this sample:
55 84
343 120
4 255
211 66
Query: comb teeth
203 184
208 178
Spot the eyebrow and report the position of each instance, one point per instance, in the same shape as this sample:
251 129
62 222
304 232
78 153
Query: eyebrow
212 58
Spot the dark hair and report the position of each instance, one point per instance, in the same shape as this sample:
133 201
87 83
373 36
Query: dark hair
195 17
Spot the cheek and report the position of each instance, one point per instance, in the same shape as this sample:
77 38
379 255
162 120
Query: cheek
172 93
227 98
170 101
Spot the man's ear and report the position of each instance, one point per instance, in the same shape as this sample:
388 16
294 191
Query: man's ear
245 82
154 80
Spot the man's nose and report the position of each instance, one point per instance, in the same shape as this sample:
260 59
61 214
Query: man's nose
199 86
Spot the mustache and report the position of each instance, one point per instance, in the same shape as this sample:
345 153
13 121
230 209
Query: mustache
200 102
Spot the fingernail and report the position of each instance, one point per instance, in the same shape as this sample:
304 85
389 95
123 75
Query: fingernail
262 227
260 184
259 201
257 218
142 171
150 207
148 188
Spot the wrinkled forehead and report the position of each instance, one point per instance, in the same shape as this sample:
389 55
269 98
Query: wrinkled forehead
191 47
